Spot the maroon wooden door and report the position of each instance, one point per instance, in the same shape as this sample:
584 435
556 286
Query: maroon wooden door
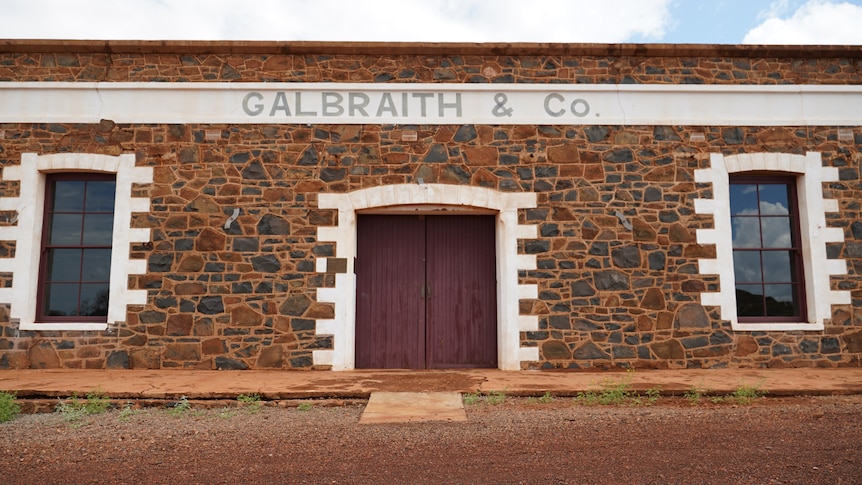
426 292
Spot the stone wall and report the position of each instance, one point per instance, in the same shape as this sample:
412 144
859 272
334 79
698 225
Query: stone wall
608 296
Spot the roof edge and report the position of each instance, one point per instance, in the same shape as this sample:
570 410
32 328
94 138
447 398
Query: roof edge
423 48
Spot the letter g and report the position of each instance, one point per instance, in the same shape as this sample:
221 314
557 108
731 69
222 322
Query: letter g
257 108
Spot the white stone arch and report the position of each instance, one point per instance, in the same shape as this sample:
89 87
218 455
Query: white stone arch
416 197
27 233
810 175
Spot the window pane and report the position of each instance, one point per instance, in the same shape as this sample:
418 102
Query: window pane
94 299
61 300
63 265
776 267
68 196
781 301
746 232
774 199
746 266
776 232
66 230
97 265
743 199
749 301
100 196
98 229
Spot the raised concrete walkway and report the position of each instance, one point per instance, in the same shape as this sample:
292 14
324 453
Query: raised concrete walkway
194 384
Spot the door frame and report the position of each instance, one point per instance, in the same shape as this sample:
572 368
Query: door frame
429 199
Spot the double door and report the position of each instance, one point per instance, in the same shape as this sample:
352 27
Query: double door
426 292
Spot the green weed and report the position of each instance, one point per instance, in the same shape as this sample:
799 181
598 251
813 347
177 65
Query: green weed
180 407
744 394
128 411
694 395
74 409
648 398
545 398
9 407
251 402
495 397
305 406
471 398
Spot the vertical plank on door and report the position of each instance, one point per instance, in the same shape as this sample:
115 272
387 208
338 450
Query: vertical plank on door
390 273
461 311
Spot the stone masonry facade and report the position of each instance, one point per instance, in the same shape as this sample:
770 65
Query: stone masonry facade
609 296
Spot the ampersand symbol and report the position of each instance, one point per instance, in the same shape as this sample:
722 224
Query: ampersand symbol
501 110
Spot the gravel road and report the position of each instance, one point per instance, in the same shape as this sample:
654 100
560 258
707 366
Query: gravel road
804 440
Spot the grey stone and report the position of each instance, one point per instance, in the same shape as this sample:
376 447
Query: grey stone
652 194
808 346
550 230
590 351
271 225
560 322
267 263
211 305
695 342
309 158
582 288
853 250
332 174
437 154
665 133
246 244
295 305
151 317
830 345
160 262
781 349
611 280
627 257
118 359
622 352
599 249
619 155
535 246
856 228
225 363
254 171
556 350
596 133
691 315
733 136
465 133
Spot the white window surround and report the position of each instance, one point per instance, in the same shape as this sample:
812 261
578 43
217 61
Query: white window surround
27 234
415 198
811 174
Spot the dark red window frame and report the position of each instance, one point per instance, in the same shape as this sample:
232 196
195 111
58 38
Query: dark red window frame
796 264
43 316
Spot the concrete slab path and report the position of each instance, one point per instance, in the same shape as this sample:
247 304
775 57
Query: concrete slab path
413 407
171 384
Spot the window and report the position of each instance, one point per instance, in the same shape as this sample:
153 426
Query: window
767 256
62 256
75 267
770 235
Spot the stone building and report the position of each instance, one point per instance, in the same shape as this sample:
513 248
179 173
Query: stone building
240 205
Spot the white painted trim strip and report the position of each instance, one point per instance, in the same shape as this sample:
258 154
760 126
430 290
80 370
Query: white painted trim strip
430 103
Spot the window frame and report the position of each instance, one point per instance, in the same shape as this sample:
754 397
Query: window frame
45 246
798 264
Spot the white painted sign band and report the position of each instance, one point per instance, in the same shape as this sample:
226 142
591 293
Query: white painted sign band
431 104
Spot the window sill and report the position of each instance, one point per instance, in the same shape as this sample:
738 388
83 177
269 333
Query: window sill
768 327
58 326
